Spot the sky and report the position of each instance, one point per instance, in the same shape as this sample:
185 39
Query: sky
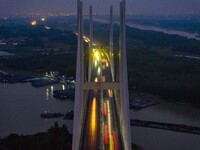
10 7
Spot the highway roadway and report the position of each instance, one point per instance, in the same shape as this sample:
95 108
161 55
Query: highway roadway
101 126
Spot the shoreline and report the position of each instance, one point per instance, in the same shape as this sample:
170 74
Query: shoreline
149 96
132 94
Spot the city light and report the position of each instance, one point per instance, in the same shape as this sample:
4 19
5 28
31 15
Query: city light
47 94
48 28
33 23
43 19
86 39
52 90
63 87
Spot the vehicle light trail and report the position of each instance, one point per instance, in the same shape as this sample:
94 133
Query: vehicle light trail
104 79
105 134
96 55
95 63
110 127
99 70
116 147
93 116
96 79
103 67
107 65
105 112
110 93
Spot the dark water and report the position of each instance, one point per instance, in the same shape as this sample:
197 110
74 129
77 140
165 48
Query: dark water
21 105
156 139
5 53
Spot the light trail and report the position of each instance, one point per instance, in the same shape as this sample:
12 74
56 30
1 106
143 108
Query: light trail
116 147
105 109
107 65
110 93
111 143
109 138
103 78
103 67
99 70
95 63
93 116
104 60
106 134
96 79
96 53
110 127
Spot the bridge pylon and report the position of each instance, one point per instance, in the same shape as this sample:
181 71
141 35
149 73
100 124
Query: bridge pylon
118 83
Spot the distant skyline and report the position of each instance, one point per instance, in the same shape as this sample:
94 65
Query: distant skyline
26 7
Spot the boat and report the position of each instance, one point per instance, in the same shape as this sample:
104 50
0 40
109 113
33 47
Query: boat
69 115
51 115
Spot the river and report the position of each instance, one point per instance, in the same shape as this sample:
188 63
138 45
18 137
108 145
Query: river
153 28
168 112
2 53
21 105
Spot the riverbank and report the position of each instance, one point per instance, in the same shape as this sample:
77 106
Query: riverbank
55 138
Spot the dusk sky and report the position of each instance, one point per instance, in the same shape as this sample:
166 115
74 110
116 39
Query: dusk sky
9 7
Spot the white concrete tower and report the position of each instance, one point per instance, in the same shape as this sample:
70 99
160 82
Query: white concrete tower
111 45
91 43
79 92
123 79
83 86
